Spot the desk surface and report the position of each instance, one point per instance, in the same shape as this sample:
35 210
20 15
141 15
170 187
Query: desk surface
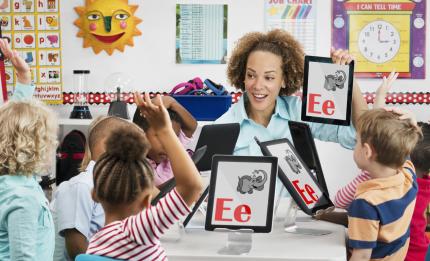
198 244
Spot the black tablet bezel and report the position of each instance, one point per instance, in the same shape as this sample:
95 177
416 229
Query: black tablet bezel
305 117
303 127
213 136
323 203
229 158
196 207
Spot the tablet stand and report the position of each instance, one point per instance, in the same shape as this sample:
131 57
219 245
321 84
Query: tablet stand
239 242
290 225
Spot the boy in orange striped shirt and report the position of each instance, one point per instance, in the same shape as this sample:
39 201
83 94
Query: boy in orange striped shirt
380 214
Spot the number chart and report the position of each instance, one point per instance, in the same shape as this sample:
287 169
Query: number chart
33 29
383 35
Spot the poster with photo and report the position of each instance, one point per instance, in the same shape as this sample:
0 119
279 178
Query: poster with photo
33 29
327 91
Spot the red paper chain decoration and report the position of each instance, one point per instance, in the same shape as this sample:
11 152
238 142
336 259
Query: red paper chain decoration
392 98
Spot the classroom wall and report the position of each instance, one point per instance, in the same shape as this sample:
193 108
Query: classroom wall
151 62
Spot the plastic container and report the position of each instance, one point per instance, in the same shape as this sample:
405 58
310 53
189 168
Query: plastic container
80 84
205 107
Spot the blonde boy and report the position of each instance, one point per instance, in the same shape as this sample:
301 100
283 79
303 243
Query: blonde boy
380 214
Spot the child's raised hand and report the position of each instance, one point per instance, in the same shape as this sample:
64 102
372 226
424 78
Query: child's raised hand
383 89
156 115
22 69
167 101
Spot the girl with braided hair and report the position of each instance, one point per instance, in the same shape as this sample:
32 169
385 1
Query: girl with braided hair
123 182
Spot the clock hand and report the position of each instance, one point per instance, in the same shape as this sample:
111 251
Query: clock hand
379 37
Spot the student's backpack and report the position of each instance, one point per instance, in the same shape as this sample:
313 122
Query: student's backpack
69 156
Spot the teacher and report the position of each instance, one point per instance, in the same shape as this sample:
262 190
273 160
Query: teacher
269 67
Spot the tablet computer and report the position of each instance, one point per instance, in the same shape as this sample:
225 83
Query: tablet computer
305 145
219 139
241 193
296 176
327 91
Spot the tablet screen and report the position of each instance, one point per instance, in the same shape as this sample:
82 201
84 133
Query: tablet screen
296 176
302 182
242 192
327 91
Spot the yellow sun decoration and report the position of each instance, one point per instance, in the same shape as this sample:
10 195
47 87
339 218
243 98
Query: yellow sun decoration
107 24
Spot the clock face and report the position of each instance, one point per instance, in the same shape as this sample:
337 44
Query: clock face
379 41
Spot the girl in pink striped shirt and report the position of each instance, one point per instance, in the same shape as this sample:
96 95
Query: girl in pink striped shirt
123 182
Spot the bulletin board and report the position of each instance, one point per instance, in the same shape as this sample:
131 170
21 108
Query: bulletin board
382 35
33 29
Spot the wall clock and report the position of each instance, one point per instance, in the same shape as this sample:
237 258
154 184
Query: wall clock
382 35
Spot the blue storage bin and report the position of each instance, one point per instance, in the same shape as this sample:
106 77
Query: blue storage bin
205 107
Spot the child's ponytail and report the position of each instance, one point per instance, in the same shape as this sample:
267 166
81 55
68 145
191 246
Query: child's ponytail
123 172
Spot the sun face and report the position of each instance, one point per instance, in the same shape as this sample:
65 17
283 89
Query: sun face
107 24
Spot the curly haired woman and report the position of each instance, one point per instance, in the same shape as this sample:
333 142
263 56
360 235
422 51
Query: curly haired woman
269 67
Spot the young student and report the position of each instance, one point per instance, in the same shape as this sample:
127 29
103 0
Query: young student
380 214
77 216
346 194
183 124
122 183
269 68
420 156
28 138
24 89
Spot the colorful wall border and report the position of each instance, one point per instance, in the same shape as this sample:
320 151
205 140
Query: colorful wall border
392 98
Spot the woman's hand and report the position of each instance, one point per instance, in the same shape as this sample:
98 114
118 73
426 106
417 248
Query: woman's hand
340 56
22 69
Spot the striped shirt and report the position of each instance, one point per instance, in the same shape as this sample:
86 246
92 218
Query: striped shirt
345 195
380 215
137 237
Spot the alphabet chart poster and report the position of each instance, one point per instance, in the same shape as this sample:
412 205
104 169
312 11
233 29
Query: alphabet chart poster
33 29
242 193
296 17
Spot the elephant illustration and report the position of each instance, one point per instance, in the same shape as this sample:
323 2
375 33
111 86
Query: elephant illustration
248 183
336 80
293 162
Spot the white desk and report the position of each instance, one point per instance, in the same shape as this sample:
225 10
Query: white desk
198 244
